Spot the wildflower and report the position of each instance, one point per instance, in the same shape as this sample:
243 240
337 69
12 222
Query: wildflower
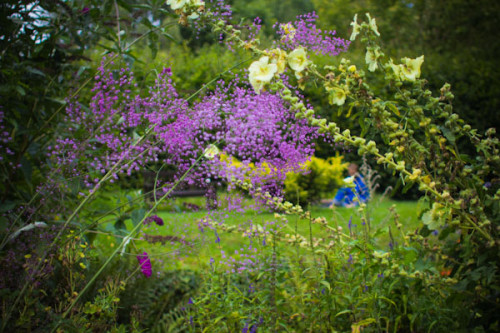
261 72
288 31
145 264
372 24
336 95
278 57
304 33
211 151
176 4
411 69
372 55
156 219
297 59
356 28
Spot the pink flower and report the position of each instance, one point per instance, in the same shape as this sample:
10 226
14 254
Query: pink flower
145 264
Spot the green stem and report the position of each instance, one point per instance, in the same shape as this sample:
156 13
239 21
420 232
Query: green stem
72 216
130 234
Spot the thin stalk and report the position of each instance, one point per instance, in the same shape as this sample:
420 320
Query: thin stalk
130 234
72 216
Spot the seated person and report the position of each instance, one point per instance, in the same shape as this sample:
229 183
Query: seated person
345 195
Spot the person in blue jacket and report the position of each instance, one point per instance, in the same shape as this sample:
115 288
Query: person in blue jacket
354 187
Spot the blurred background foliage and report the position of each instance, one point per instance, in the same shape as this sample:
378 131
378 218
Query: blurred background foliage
50 49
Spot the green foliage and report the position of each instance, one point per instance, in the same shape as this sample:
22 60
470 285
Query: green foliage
337 283
159 301
319 180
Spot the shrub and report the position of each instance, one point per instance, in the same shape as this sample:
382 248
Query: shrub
320 178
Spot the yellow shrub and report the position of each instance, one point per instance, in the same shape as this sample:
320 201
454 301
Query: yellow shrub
320 179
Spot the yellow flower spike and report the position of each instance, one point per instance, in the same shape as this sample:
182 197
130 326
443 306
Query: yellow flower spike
83 266
27 256
352 68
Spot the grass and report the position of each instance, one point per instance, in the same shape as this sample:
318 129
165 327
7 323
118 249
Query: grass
204 244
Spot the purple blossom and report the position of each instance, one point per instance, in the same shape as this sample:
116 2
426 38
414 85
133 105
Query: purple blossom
303 32
154 218
145 264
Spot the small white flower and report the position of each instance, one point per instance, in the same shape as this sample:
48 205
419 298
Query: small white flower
261 72
297 59
176 4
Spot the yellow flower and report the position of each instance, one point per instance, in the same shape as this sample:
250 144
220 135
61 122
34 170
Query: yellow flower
395 68
289 31
261 72
278 57
372 55
411 69
297 59
82 265
372 24
336 95
176 4
356 28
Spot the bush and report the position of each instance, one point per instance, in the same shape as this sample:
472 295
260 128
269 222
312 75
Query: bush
320 179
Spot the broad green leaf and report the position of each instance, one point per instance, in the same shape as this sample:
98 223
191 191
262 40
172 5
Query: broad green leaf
137 216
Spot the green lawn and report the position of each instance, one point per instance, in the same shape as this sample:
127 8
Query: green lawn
203 242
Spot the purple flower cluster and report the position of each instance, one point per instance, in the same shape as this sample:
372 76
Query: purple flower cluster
260 131
154 218
303 32
145 264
